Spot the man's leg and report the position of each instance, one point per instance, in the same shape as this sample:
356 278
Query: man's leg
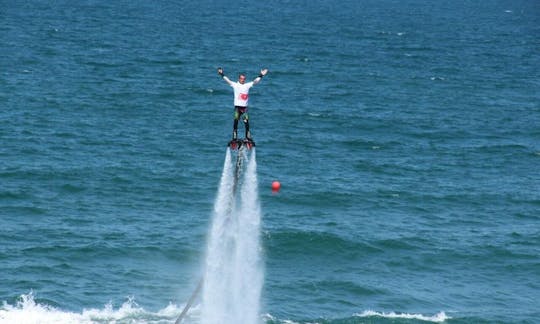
246 125
235 130
235 124
248 133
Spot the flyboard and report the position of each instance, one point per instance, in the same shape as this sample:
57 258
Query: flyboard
238 145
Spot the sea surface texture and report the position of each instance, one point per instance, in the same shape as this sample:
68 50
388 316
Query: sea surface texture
405 136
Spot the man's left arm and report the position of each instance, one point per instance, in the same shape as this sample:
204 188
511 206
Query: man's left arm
261 75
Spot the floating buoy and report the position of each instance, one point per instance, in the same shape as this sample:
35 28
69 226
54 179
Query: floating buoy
276 186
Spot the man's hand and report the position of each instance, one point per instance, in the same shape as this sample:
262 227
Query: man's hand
220 71
264 71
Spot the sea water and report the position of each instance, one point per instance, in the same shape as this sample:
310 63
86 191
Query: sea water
404 134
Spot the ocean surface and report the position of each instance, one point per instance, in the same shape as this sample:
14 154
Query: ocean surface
405 136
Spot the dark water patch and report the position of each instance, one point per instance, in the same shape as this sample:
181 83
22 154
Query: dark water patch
399 167
344 290
14 194
369 142
402 244
24 210
71 188
294 243
324 200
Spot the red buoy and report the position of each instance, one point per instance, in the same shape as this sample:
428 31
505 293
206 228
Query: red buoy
276 186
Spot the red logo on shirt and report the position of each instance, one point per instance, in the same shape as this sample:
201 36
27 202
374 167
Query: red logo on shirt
244 96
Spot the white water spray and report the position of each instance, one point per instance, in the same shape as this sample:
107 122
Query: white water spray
234 272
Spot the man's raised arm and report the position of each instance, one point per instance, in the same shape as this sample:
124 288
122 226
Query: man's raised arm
259 78
220 72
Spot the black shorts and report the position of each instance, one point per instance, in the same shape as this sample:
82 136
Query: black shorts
240 111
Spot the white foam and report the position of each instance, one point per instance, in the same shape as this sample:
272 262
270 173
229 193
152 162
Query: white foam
437 318
28 311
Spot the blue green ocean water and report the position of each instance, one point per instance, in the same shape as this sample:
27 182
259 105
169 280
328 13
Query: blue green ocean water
405 135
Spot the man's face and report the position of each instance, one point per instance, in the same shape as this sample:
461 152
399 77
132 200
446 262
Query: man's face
242 78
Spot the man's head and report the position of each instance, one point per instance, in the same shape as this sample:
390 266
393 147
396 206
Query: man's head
242 78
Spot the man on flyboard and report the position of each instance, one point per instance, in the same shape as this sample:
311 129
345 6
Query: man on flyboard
241 97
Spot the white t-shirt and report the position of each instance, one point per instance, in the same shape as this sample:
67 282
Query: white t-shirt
241 93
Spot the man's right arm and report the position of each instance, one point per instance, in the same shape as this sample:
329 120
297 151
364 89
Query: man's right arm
220 72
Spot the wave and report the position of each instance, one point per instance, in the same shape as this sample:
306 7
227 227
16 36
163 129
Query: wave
371 317
437 318
29 310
